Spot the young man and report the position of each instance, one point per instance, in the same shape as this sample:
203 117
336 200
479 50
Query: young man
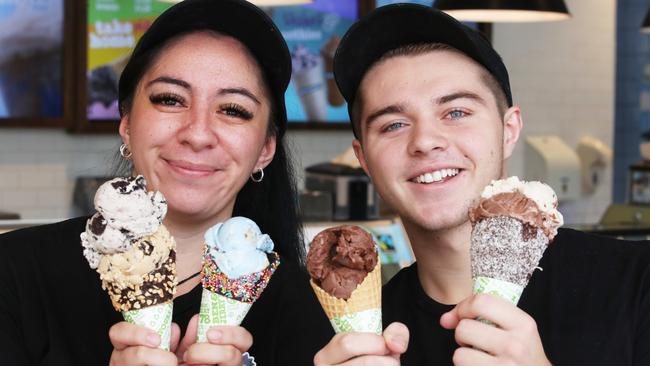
434 121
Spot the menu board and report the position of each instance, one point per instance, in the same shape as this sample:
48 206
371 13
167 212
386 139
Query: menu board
31 59
312 33
114 28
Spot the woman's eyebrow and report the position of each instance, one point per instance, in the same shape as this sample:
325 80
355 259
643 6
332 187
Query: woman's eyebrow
170 80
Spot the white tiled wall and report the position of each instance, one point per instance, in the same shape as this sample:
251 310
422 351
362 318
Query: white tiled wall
562 75
312 147
38 168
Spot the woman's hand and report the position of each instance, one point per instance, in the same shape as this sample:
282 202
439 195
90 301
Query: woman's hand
225 345
135 345
514 341
365 348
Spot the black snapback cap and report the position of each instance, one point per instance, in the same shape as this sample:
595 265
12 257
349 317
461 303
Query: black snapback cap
236 18
392 26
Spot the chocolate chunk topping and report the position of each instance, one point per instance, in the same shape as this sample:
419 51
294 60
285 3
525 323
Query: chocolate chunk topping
130 184
97 224
146 247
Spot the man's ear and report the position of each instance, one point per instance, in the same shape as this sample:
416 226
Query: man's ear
358 151
124 129
267 153
512 125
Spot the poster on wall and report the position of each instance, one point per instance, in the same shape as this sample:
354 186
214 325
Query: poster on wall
312 33
31 59
114 28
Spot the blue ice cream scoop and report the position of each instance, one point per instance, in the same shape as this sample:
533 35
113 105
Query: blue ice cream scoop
238 246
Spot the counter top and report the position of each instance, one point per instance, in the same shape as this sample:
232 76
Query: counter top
8 225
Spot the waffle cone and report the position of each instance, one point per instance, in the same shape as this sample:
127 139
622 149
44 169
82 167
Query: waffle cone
365 297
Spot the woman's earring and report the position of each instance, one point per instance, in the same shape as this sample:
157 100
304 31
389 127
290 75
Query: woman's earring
257 179
125 152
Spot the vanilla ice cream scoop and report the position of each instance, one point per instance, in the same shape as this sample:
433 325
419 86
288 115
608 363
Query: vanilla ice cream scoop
238 247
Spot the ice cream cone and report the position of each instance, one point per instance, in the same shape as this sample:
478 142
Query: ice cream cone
226 301
504 253
157 318
512 226
148 304
219 310
157 287
133 252
361 312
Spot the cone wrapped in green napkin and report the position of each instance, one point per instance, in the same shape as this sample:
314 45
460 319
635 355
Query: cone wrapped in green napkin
512 225
134 254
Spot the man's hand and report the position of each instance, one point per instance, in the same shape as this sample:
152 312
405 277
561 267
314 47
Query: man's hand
351 349
513 341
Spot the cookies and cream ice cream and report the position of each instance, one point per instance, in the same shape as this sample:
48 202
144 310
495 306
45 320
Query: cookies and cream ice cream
512 225
125 213
134 254
238 263
343 263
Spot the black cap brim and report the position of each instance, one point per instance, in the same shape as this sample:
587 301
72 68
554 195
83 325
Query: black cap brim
392 26
238 19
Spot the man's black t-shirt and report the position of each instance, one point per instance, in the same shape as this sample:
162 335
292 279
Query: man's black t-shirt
591 302
53 310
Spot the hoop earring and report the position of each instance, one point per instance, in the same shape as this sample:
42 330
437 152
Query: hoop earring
257 180
125 152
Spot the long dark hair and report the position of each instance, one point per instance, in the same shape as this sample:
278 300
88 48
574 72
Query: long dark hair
271 203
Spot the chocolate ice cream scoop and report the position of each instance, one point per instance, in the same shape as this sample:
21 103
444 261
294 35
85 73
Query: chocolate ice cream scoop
340 258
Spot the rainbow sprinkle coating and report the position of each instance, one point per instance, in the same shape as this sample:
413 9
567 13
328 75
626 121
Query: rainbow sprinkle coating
246 288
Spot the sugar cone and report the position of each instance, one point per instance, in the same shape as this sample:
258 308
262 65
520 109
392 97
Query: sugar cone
361 312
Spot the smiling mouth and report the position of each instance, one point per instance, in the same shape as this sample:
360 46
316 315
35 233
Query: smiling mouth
436 176
191 168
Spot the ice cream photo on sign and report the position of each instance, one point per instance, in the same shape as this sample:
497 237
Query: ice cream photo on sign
238 263
512 225
134 254
345 272
309 79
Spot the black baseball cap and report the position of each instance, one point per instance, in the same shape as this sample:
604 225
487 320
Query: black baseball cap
236 18
392 26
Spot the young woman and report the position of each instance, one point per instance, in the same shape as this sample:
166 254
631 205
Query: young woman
203 119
